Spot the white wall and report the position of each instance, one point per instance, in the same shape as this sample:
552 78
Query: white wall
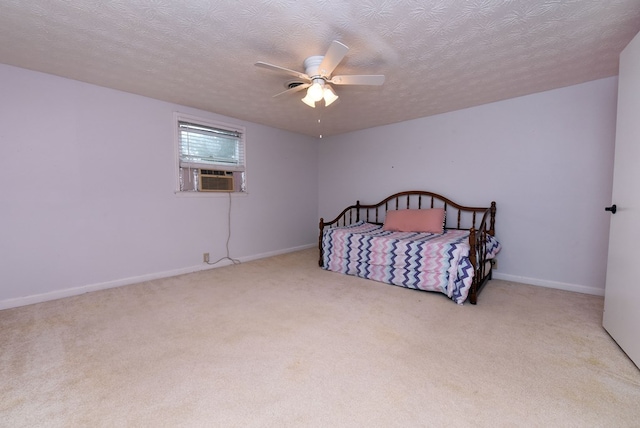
87 179
546 159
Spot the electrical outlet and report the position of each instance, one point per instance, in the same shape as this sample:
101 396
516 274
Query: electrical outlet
205 257
494 264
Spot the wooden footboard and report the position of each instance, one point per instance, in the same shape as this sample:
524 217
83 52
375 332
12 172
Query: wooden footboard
479 221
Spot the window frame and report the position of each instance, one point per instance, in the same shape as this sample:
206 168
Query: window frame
239 169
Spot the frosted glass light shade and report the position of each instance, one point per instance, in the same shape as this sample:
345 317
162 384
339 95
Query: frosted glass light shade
309 101
315 91
329 95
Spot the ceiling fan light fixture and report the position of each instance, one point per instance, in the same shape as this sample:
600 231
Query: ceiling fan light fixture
315 91
329 96
309 101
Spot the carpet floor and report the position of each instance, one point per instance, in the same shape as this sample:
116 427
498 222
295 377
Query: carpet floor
279 342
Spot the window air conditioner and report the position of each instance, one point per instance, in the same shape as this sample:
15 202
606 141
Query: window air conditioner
215 181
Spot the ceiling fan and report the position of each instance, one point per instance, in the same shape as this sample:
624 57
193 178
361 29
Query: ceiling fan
317 76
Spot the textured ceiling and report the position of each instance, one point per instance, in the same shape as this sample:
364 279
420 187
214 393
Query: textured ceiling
437 55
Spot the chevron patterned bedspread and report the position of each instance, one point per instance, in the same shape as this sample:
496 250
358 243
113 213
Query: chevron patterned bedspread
423 261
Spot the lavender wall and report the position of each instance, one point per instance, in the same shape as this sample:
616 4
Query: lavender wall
546 159
88 178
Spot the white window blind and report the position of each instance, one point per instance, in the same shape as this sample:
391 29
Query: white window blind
211 156
203 146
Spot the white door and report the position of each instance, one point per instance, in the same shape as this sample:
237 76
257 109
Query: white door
622 293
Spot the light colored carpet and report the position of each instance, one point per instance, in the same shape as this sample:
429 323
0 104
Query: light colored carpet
279 342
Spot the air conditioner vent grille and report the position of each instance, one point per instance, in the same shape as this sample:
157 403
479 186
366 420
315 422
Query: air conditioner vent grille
215 181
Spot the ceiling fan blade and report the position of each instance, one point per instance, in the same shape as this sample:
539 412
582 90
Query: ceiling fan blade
332 58
272 67
294 89
354 79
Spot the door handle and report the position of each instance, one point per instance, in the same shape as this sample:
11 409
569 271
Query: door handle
612 208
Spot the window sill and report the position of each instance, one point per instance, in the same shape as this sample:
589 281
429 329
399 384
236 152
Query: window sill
209 194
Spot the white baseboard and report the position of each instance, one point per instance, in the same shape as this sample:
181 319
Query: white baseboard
550 284
59 294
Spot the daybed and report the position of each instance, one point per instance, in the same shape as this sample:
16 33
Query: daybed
414 239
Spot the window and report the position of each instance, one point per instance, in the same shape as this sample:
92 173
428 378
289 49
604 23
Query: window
211 156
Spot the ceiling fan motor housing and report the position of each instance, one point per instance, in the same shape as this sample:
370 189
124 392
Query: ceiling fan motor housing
312 64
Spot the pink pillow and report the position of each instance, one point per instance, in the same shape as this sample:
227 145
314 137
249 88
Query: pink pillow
429 220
